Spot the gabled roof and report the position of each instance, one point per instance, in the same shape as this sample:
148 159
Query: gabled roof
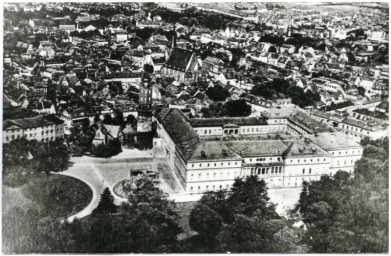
179 59
112 130
178 127
32 122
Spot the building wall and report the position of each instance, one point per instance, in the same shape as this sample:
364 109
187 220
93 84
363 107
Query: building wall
253 129
212 175
301 169
209 131
344 159
44 133
357 133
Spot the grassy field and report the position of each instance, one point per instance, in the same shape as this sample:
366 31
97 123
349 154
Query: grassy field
55 195
25 207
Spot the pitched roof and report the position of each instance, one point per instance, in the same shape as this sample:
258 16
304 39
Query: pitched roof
178 127
179 59
112 130
32 122
304 148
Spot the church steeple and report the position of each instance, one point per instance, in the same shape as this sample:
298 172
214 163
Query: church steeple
173 39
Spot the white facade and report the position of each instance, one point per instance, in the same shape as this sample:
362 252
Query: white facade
281 163
41 133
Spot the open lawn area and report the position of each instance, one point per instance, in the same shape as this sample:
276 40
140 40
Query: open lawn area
44 197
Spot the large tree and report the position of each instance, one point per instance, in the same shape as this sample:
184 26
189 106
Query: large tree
236 108
217 93
106 204
239 220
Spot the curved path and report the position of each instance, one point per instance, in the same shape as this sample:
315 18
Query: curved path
91 206
100 173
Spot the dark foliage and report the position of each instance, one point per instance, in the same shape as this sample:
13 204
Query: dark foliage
240 220
281 88
22 157
144 140
112 148
233 108
217 93
106 204
350 214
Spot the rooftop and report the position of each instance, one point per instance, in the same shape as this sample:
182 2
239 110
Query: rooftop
179 59
331 141
256 148
212 150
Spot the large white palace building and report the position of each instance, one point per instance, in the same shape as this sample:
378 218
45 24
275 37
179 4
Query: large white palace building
208 154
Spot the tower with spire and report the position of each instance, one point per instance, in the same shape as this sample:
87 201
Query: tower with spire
172 45
289 29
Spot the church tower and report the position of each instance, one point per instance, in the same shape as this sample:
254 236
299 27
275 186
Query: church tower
146 90
289 29
172 44
173 39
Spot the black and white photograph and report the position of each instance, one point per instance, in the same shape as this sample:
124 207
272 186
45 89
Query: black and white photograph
195 127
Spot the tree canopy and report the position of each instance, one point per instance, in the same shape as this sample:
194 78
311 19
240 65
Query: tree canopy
349 214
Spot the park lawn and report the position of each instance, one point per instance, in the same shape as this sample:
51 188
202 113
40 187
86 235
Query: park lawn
54 195
13 197
26 208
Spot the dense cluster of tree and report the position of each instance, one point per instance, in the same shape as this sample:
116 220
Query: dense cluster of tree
85 34
279 88
297 41
217 93
350 215
232 108
241 220
23 158
111 148
193 17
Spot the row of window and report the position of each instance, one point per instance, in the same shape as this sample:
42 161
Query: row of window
310 160
12 137
212 175
216 164
265 170
209 187
346 152
253 129
353 129
345 162
262 159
